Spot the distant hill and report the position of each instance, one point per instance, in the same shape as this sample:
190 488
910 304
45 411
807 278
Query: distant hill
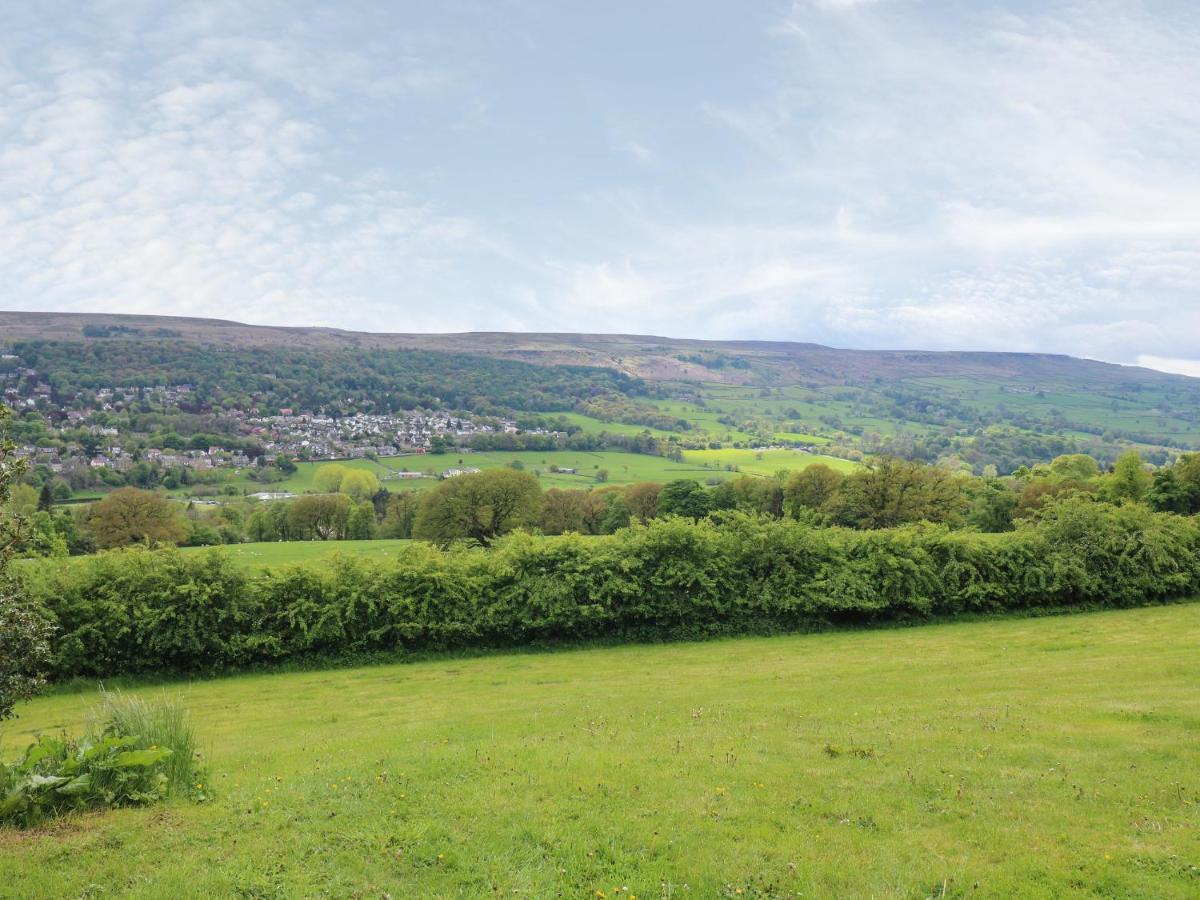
647 356
964 409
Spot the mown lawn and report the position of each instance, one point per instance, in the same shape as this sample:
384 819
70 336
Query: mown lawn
1012 758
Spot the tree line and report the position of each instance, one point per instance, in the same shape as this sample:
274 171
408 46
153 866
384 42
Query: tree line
352 504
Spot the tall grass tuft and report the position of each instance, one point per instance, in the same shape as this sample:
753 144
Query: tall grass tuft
164 722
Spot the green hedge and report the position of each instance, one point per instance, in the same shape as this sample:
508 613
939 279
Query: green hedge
146 611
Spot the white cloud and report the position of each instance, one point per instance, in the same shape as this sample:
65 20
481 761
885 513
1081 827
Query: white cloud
866 173
195 188
1189 367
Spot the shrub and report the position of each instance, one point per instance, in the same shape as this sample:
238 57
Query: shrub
138 610
24 650
134 753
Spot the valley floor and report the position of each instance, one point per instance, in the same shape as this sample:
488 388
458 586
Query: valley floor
1012 758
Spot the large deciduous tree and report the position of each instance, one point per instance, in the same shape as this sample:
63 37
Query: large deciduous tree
133 516
810 488
480 506
684 498
322 516
896 492
359 484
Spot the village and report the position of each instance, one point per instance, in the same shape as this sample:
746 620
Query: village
82 430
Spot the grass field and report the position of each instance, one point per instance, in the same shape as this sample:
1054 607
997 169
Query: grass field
1007 758
281 553
306 472
622 468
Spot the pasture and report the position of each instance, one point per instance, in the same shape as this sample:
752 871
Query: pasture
621 468
1007 758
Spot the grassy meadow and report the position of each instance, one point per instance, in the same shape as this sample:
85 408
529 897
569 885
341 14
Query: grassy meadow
1007 758
622 468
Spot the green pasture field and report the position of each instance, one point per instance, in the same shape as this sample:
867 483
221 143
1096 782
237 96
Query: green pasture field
1147 412
590 425
303 479
283 553
622 468
799 436
1045 757
765 462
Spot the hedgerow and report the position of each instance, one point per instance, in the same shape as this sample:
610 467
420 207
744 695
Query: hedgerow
134 611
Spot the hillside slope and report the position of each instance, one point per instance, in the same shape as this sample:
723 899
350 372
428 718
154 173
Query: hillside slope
648 356
963 408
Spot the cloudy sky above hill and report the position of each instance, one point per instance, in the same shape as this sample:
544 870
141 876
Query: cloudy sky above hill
862 173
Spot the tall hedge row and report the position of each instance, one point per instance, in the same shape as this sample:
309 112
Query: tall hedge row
140 611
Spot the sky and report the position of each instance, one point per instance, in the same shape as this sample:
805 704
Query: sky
858 173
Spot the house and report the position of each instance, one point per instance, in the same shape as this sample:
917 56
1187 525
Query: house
453 473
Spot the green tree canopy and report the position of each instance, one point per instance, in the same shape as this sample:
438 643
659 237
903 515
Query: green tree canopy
328 478
133 516
480 506
358 484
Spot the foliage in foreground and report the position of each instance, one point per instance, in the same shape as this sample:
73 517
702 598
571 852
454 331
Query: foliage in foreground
1049 757
140 611
134 753
23 633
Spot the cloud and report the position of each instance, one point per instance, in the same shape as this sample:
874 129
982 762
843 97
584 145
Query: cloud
962 178
877 174
196 187
1190 367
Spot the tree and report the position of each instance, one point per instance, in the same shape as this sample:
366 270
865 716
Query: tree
684 497
992 508
810 488
398 519
24 636
479 506
1074 467
321 516
578 511
616 516
261 525
358 484
328 479
1169 493
361 526
642 500
1129 480
45 498
898 491
1035 494
133 516
22 500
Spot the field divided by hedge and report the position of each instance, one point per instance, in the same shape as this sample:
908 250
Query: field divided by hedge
136 611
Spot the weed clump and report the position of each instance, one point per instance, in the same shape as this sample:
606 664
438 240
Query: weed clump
134 752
